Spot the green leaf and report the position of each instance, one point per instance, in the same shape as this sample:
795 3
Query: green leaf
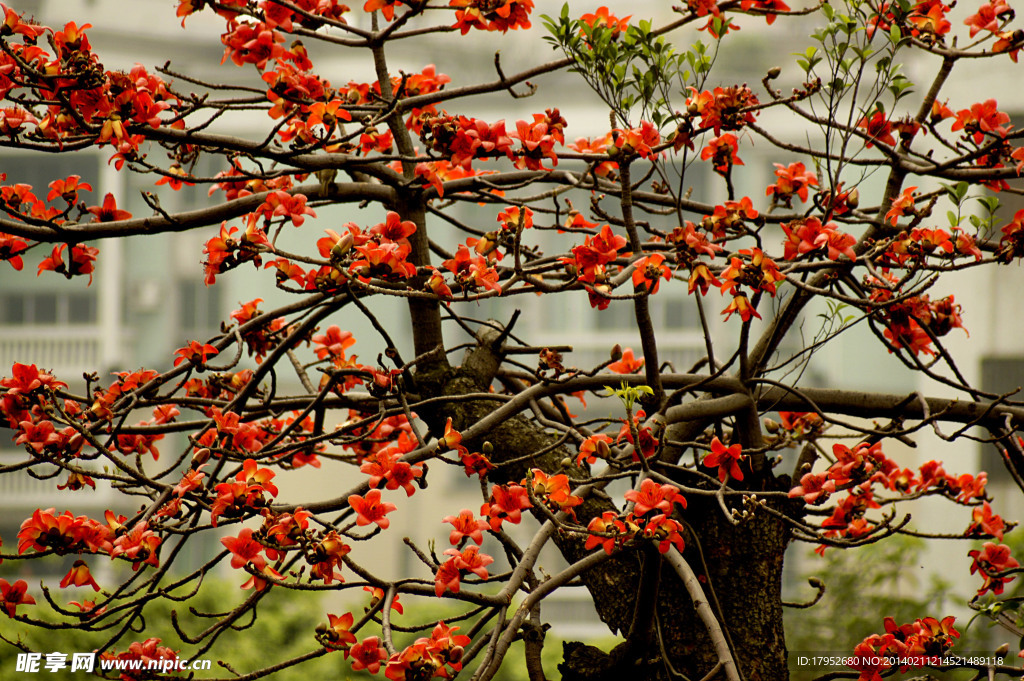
990 202
895 35
956 192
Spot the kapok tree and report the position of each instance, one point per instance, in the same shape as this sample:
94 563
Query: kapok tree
674 513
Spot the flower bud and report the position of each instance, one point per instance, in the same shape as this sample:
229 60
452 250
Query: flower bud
342 247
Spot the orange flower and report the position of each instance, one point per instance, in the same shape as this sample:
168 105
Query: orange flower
338 634
538 142
282 204
81 261
333 343
109 212
139 545
554 490
13 595
726 108
79 575
768 7
11 249
606 532
244 550
808 235
989 17
88 609
387 8
491 15
175 178
258 582
595 146
394 228
466 525
666 531
594 447
985 523
654 497
195 353
639 140
722 151
602 18
649 271
627 364
449 574
370 509
727 459
813 487
257 479
368 654
13 23
994 558
452 438
386 261
68 189
190 480
981 119
930 23
506 503
793 179
878 128
77 481
436 283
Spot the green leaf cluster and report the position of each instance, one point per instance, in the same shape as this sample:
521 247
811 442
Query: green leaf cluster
635 69
629 394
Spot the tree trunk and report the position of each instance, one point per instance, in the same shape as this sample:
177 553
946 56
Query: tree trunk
738 565
740 569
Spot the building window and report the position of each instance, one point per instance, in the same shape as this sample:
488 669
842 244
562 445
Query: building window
199 309
668 313
44 169
618 316
1002 376
47 308
23 302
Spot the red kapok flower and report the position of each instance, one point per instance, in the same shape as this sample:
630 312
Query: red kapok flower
109 212
370 509
627 364
368 655
466 525
727 459
13 595
991 559
79 575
